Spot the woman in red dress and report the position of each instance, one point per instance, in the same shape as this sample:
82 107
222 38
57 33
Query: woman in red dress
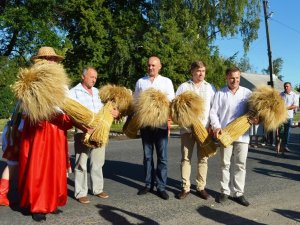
43 159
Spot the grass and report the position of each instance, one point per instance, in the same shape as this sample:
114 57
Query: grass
297 117
2 124
115 127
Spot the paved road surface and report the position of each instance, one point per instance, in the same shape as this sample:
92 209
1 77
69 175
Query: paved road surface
272 187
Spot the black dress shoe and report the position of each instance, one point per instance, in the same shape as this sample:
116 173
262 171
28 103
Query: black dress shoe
222 198
163 194
143 191
38 216
241 200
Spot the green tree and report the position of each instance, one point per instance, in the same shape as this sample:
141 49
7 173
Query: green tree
277 68
8 75
244 64
117 36
25 25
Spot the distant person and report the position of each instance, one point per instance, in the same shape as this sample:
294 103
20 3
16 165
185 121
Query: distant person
204 89
88 96
157 137
291 100
230 103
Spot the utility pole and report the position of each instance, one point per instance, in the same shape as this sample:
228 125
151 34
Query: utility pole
267 16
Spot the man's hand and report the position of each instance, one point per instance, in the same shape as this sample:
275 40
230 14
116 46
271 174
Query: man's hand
217 132
253 120
115 113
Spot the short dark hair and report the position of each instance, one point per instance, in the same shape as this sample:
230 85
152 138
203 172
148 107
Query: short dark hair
232 70
197 64
285 83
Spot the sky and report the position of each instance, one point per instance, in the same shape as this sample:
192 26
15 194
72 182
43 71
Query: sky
284 32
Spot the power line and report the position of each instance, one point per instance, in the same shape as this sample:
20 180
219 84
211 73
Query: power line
285 25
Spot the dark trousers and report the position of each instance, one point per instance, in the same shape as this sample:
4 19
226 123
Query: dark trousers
158 138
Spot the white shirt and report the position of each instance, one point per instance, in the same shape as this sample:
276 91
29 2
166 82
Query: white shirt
290 99
227 107
161 83
206 91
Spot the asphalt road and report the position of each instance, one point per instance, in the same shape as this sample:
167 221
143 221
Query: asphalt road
272 187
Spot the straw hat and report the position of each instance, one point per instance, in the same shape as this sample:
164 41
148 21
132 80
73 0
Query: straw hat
47 52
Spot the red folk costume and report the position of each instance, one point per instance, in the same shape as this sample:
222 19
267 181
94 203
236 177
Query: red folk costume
42 181
42 165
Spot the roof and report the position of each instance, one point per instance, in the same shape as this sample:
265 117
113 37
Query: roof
252 80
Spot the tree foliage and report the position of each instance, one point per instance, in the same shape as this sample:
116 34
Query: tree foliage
117 37
277 68
244 64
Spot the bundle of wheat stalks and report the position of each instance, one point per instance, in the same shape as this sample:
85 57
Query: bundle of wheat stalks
151 109
266 104
113 97
80 113
42 89
186 109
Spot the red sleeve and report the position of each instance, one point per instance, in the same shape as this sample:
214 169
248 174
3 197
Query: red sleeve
63 121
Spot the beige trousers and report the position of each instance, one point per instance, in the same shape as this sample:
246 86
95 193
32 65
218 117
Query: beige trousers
233 169
187 145
97 159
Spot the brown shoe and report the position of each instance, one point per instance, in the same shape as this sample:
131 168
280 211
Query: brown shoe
84 200
102 195
183 194
203 194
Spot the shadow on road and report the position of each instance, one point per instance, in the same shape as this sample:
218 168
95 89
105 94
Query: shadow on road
224 217
127 173
278 172
293 215
114 216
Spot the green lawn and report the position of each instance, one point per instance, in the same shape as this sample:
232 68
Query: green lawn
2 124
297 116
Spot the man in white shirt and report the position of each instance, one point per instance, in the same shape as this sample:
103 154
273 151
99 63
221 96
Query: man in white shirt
206 91
157 136
88 96
291 100
230 103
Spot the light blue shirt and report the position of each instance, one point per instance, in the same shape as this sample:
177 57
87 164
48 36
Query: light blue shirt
92 102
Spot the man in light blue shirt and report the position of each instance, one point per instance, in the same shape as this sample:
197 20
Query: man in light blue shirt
88 95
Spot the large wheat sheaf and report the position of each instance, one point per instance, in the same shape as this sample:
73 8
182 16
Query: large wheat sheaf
41 88
120 96
186 109
264 103
152 108
269 106
112 96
